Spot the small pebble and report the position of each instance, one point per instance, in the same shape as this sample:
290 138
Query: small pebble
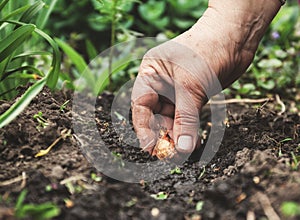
256 180
155 212
58 172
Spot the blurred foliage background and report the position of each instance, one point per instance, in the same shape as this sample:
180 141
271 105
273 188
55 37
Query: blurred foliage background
84 28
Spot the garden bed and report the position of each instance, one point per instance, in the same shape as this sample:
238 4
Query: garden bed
251 176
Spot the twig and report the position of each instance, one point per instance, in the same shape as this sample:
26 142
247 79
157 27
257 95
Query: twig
23 184
14 180
283 108
72 179
267 207
230 101
64 134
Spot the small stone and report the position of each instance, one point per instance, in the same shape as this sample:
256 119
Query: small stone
58 172
256 180
155 212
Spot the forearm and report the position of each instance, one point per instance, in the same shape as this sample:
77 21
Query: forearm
228 34
245 21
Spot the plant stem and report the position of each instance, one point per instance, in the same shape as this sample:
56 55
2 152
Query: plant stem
112 42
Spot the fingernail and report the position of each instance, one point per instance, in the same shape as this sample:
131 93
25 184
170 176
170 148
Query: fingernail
185 143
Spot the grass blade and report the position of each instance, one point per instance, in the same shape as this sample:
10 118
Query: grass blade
45 13
30 12
22 102
16 12
35 72
9 44
78 61
75 57
31 53
2 4
52 76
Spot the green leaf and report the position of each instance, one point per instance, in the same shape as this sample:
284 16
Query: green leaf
53 75
160 196
21 69
152 10
90 49
30 12
176 170
246 88
16 12
270 63
78 61
31 53
286 139
42 211
2 4
10 43
290 209
22 102
268 85
20 199
199 206
75 57
183 23
45 13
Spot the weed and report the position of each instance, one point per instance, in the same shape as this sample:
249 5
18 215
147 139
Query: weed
176 170
95 177
296 161
64 105
42 122
199 206
290 209
202 172
160 196
16 66
35 211
131 202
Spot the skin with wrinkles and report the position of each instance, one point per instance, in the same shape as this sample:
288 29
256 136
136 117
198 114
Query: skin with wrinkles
176 78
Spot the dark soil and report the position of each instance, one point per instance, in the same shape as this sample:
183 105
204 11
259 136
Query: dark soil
250 177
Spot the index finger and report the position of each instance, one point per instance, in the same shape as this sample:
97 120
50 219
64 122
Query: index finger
144 101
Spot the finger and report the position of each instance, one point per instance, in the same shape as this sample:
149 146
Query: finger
186 121
144 100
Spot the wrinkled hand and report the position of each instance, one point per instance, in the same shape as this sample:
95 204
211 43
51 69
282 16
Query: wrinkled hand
177 78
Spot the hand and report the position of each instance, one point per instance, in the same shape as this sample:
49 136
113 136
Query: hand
177 78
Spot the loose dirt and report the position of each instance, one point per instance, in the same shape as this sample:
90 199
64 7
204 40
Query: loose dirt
250 176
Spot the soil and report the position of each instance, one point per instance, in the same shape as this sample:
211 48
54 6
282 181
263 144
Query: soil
250 176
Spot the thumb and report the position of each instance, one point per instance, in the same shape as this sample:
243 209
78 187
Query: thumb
186 122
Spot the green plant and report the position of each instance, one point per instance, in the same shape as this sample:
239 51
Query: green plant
95 177
202 172
160 196
177 15
114 12
199 206
295 161
42 122
290 209
95 78
64 105
17 62
35 211
176 170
